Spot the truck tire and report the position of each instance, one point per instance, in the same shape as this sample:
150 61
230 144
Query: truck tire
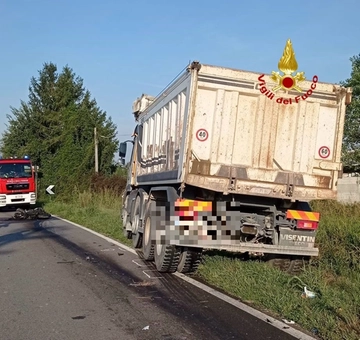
147 245
292 265
296 264
136 236
125 217
166 258
277 261
190 260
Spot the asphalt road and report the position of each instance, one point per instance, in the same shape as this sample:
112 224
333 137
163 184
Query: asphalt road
61 282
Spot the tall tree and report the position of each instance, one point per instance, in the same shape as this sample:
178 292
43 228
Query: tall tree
351 142
56 128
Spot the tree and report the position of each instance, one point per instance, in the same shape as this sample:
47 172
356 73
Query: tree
351 141
55 127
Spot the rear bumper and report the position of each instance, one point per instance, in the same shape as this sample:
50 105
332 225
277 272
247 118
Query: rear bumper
17 199
258 248
220 226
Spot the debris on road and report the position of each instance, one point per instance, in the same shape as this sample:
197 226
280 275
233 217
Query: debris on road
289 322
32 214
79 317
315 331
146 328
91 259
308 294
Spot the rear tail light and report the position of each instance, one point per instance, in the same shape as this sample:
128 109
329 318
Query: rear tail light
304 219
311 225
188 210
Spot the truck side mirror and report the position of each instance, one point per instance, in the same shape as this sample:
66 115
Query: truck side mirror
122 150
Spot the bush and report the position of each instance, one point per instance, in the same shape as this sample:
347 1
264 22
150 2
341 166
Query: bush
114 183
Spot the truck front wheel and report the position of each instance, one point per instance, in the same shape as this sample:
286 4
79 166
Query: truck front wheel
125 217
136 235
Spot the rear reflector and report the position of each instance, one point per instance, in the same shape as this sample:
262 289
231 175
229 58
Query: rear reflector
303 215
311 225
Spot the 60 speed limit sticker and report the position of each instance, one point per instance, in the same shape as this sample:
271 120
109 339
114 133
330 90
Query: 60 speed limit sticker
202 135
324 152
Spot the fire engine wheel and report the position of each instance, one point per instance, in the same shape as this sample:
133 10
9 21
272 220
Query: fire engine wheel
136 236
147 246
190 260
166 258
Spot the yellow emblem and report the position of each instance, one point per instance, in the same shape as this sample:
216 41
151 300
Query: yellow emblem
288 65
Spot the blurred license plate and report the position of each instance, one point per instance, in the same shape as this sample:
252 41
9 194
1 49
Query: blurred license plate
19 196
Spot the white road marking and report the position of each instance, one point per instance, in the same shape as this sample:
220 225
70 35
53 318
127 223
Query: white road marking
151 277
252 311
147 274
138 264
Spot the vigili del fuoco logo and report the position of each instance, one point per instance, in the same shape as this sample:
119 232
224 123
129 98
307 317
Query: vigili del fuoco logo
287 79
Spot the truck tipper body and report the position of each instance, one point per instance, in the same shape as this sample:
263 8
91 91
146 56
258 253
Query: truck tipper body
17 182
222 159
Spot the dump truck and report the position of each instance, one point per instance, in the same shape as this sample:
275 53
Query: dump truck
229 160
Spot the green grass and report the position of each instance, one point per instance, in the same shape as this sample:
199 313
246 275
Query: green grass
99 212
334 275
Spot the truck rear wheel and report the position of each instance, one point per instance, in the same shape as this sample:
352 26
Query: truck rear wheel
190 260
296 264
136 236
292 265
166 258
277 262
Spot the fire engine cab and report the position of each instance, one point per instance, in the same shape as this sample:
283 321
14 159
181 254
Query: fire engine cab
17 182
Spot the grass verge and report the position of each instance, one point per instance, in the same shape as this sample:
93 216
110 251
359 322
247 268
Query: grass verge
333 314
100 212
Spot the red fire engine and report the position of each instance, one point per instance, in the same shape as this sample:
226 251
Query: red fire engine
17 182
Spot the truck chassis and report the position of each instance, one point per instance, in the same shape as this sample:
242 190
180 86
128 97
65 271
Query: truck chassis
258 227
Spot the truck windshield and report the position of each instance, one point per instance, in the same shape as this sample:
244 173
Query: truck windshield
15 170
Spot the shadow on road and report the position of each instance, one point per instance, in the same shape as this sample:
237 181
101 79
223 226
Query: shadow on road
172 298
24 230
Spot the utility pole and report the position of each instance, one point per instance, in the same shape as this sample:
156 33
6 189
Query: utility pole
96 151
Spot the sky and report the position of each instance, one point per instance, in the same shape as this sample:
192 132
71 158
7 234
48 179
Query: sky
122 49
